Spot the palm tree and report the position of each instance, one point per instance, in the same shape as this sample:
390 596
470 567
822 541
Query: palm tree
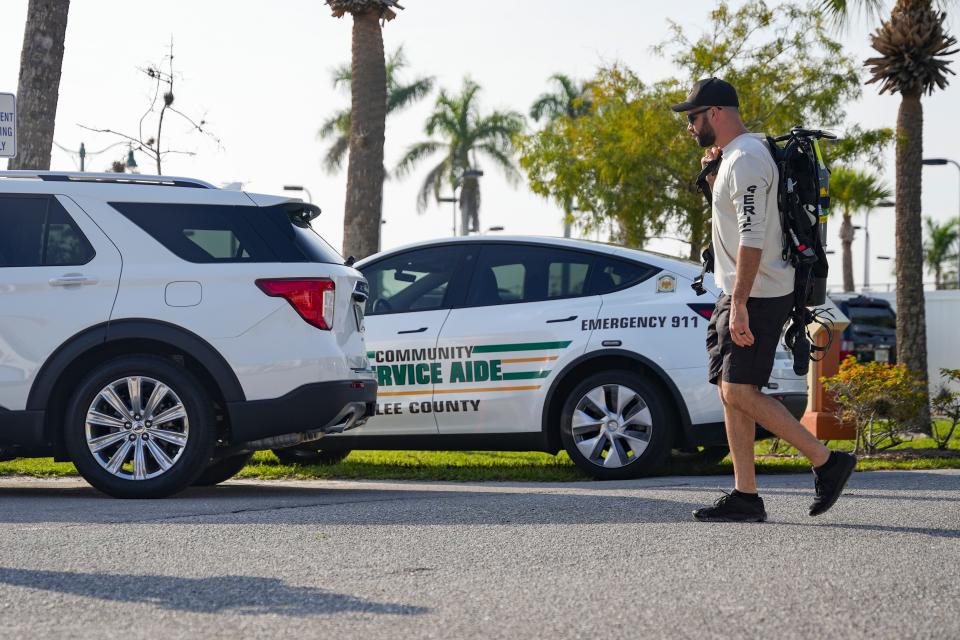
39 87
570 100
937 248
464 134
400 94
852 191
368 109
912 46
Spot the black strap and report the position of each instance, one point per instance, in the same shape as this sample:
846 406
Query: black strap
706 258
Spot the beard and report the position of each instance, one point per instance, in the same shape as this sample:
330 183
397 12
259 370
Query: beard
706 135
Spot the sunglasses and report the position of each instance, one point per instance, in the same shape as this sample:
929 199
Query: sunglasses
692 115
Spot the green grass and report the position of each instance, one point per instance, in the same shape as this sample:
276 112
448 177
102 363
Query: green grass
523 466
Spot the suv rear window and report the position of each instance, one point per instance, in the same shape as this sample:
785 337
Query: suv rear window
205 233
881 317
38 232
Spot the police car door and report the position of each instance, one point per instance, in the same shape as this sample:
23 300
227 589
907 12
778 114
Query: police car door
404 313
522 321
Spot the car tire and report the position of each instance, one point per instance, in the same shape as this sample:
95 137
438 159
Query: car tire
222 470
596 423
310 453
151 454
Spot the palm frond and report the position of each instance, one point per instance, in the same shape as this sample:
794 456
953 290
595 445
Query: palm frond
414 154
333 159
839 11
503 161
338 123
341 76
400 96
431 185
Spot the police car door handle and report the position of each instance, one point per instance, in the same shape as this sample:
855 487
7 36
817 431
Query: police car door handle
562 319
420 330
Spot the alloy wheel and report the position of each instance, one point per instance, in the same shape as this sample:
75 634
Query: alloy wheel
136 428
612 425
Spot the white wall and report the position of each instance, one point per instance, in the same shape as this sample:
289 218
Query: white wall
943 322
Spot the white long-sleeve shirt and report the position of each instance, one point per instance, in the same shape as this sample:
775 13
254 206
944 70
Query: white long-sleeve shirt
745 213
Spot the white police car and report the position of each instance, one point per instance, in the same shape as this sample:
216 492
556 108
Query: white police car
540 344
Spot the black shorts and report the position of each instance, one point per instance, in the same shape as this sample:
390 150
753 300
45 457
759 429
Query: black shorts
753 364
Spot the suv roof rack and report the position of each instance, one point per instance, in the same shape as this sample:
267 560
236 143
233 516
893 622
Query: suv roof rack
108 178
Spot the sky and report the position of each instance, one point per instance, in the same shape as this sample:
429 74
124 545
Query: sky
259 74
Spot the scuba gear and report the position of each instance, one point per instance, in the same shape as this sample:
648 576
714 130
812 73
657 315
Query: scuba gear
706 256
803 199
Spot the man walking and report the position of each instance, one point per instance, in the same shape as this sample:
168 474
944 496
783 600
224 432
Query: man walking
757 298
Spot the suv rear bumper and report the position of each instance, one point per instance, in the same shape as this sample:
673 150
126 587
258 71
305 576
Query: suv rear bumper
328 407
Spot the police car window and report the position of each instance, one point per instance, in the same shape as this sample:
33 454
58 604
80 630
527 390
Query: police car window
567 278
413 281
39 232
507 273
611 274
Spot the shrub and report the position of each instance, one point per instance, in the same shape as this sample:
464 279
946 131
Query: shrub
879 398
946 404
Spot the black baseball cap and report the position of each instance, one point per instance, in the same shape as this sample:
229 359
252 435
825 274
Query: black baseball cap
711 92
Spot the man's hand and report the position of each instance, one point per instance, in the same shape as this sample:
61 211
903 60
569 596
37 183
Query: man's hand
740 326
708 156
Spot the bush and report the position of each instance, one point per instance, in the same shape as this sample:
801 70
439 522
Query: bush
880 399
946 404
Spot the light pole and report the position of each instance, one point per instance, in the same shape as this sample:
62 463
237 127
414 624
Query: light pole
866 243
454 200
938 162
457 184
297 187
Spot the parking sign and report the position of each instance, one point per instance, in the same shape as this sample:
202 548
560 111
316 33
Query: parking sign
8 125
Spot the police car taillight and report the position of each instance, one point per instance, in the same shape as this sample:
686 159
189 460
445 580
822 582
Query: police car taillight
702 309
313 298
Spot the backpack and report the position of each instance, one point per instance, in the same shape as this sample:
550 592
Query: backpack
803 199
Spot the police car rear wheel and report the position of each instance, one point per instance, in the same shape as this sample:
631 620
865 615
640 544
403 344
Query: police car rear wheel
614 426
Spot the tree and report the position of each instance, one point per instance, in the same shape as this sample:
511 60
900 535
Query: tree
400 94
912 46
938 248
852 191
39 86
161 106
630 159
368 109
464 134
570 100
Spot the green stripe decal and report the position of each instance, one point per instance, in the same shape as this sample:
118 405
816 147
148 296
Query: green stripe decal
522 346
371 354
526 375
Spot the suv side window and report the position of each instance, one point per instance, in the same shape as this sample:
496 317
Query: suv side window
37 231
411 281
613 274
508 273
200 233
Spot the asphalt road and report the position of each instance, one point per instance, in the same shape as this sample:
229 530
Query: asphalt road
490 560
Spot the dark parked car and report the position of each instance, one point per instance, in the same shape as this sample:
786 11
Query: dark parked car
871 336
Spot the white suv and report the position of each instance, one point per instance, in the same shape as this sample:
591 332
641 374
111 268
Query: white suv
156 331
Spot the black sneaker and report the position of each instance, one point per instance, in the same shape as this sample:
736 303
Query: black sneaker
830 479
732 507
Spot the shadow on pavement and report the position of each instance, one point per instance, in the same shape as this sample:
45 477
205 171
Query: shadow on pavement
881 528
238 595
279 504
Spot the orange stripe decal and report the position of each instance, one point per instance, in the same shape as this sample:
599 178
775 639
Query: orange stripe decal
513 360
475 390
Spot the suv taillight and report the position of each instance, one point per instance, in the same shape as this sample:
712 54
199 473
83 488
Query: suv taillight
313 298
